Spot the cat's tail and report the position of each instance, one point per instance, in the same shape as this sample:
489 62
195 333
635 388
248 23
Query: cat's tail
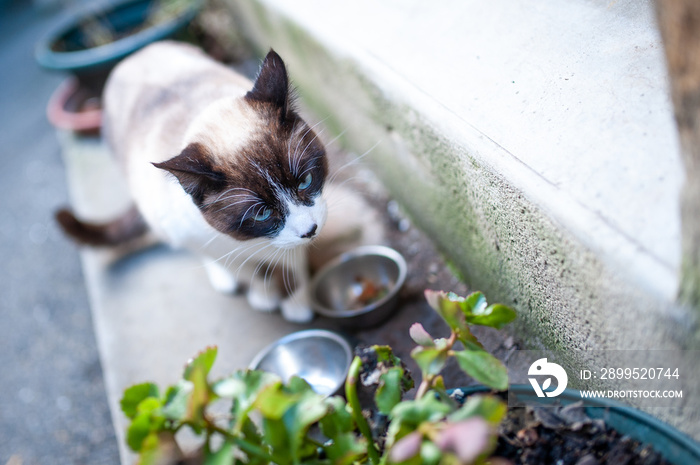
121 230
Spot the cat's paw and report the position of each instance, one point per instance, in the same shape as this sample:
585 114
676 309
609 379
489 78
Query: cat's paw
262 302
263 296
296 310
220 277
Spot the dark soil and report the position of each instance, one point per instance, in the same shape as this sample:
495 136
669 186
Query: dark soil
567 436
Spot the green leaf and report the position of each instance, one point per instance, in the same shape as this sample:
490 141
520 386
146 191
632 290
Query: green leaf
287 436
430 361
244 384
407 415
137 432
134 395
177 399
494 316
244 387
483 367
427 408
386 355
272 401
420 336
224 456
251 432
196 371
198 398
474 303
468 339
346 448
202 362
389 392
309 409
430 454
299 385
448 306
338 420
490 408
151 453
276 435
148 419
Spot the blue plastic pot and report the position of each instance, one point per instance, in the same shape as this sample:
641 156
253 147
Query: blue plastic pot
64 48
673 445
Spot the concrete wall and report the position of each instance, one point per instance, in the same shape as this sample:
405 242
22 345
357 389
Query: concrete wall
534 142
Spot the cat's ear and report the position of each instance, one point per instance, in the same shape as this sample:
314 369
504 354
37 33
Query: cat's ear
272 84
194 171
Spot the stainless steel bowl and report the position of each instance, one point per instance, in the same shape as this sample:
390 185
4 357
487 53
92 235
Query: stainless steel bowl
339 290
320 357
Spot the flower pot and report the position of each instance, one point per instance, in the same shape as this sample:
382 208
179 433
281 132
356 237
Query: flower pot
673 445
70 47
75 108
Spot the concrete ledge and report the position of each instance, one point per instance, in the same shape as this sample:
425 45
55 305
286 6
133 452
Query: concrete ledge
535 144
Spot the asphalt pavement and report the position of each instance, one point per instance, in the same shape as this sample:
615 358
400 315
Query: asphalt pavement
53 407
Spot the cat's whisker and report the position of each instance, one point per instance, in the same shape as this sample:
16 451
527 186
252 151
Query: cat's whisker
252 193
297 155
273 262
240 267
285 274
234 196
245 215
227 256
303 152
341 134
243 246
316 136
357 180
335 202
265 174
352 162
309 168
289 146
331 190
296 149
233 204
214 236
264 262
293 295
241 250
272 265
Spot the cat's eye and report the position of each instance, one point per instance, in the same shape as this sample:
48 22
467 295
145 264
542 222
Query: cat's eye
263 214
306 182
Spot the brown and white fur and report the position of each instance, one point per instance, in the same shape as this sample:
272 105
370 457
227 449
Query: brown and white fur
218 165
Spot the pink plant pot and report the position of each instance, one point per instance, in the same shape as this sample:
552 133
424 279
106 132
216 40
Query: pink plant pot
75 108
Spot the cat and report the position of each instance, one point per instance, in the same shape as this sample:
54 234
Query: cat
218 165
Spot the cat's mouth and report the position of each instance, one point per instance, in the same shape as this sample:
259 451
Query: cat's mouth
303 225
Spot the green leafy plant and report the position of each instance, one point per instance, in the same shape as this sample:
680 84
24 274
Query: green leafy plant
270 421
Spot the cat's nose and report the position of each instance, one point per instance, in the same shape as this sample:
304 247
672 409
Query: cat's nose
311 233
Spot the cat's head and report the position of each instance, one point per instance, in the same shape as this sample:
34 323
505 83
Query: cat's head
253 167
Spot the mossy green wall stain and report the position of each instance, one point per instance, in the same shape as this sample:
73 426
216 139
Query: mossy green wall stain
448 193
498 240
